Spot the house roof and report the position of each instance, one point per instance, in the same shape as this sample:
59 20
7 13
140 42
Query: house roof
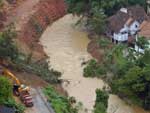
4 109
129 21
117 21
145 29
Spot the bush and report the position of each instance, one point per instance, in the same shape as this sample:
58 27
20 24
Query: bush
59 103
93 69
8 50
104 42
5 90
101 102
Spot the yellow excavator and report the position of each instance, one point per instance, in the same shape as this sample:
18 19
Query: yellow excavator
19 89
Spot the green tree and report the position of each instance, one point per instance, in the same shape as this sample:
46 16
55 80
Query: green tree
8 50
93 69
135 85
104 42
101 102
97 22
5 90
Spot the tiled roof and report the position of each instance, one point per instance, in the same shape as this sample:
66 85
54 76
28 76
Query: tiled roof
145 29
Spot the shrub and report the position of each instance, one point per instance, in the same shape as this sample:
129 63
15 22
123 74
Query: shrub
101 102
93 69
8 50
104 42
5 90
60 103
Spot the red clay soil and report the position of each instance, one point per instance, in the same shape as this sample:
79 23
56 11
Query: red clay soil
47 11
31 17
2 18
6 8
94 50
30 79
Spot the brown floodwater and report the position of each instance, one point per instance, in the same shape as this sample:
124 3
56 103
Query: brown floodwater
66 46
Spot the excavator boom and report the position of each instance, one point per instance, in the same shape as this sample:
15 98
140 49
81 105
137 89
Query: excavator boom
6 72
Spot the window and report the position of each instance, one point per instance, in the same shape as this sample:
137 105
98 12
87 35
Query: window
136 26
124 32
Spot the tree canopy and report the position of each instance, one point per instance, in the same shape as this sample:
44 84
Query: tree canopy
101 103
5 90
130 69
8 50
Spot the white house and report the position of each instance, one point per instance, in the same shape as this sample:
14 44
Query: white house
125 24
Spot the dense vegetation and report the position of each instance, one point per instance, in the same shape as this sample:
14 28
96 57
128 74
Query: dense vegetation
6 96
61 104
8 50
101 103
130 70
6 90
108 6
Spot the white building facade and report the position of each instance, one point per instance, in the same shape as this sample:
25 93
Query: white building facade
126 31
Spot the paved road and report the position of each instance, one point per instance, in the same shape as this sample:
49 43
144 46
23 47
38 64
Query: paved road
40 103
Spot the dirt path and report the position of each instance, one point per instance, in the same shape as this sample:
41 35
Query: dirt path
22 13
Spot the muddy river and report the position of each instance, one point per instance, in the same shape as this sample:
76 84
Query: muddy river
66 45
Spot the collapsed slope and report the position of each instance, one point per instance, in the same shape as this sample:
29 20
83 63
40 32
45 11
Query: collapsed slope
30 18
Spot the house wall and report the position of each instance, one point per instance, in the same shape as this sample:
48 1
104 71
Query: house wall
120 37
126 31
134 27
